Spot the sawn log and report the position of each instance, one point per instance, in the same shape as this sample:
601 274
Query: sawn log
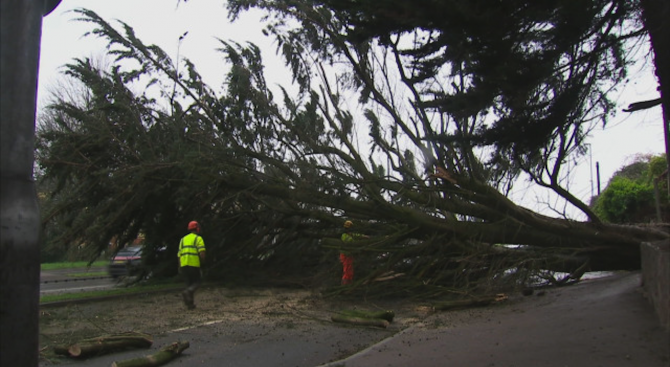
105 344
160 358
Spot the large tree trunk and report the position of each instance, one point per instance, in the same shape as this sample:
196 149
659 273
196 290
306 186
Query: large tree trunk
655 15
604 247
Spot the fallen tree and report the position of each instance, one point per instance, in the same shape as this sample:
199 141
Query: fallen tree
277 180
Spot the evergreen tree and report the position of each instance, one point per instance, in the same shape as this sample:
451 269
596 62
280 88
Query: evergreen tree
272 181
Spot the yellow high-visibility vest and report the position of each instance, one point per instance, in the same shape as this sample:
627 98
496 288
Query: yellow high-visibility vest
190 248
350 237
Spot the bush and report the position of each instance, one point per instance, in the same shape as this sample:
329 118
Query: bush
623 199
629 196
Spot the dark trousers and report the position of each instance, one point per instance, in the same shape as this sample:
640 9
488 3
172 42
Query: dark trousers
192 276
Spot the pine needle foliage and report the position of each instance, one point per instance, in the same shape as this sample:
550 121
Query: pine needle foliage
272 179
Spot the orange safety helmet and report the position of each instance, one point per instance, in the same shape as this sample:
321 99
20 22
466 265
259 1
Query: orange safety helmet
348 224
193 225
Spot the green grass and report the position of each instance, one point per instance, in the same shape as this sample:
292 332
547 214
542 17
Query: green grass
71 265
108 292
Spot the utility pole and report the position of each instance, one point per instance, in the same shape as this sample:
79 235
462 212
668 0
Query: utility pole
590 168
20 34
598 176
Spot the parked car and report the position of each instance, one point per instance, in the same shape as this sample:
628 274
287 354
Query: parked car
126 261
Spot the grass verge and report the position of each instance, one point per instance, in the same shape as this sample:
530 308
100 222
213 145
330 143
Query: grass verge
107 292
71 265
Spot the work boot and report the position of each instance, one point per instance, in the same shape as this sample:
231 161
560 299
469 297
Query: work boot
190 304
191 301
185 297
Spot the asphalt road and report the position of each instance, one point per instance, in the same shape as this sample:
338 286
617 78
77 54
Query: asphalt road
604 322
67 281
254 345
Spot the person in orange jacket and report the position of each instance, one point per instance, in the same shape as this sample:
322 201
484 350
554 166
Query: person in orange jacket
346 258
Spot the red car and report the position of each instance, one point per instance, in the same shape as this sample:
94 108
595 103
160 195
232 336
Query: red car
126 261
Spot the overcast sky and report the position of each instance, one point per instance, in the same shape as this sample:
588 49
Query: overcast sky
162 22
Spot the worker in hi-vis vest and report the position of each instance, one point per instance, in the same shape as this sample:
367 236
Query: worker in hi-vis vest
346 258
191 257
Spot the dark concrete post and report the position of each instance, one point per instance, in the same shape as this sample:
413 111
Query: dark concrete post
20 26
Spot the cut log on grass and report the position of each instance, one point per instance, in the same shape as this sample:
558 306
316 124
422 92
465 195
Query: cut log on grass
470 302
162 357
105 344
360 321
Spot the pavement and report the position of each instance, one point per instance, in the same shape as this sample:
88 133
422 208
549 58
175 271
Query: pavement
603 322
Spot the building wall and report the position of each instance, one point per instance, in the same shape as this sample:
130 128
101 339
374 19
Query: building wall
656 278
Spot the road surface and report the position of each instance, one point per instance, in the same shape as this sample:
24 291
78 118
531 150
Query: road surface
603 322
67 281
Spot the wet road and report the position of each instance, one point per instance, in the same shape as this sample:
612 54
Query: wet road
68 281
251 344
604 322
